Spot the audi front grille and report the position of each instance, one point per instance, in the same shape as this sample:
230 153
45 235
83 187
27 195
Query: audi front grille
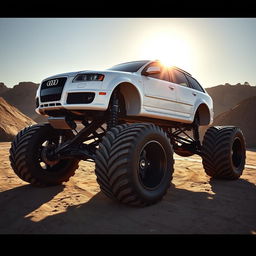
51 89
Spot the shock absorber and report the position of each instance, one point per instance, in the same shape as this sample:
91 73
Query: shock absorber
196 132
113 111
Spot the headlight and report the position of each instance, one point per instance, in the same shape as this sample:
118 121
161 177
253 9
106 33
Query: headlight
88 77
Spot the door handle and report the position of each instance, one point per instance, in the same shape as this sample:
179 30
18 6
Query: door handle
194 93
170 87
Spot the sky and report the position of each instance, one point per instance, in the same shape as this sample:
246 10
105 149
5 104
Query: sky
214 50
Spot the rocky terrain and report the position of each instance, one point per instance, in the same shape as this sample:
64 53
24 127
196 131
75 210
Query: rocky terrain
194 204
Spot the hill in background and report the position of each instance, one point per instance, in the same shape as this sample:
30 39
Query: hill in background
225 97
242 115
3 88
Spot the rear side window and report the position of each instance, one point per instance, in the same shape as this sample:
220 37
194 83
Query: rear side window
179 78
194 84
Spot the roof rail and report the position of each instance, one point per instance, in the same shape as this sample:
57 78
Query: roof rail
181 70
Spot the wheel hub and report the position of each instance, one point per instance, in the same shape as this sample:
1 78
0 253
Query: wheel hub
47 155
143 164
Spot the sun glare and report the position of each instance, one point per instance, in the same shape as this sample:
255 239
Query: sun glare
170 49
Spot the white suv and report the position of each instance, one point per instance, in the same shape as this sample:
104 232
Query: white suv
149 90
134 116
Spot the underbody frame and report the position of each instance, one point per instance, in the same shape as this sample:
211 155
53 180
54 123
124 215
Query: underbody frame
84 143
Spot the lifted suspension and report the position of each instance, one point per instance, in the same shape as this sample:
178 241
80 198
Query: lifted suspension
186 143
75 146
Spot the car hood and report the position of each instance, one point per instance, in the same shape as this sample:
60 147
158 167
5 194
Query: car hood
72 74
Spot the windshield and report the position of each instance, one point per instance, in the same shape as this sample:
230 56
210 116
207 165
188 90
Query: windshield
133 66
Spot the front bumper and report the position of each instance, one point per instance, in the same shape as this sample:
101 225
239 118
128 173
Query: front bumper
72 96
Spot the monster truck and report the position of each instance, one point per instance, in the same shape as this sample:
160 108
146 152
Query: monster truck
128 119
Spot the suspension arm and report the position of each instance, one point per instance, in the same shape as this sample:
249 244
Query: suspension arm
75 147
187 143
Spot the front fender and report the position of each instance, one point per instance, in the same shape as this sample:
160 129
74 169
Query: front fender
112 82
131 89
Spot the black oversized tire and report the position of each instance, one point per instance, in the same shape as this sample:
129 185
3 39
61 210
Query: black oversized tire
224 152
134 164
26 161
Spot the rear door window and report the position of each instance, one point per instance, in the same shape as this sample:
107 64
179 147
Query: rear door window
179 78
194 84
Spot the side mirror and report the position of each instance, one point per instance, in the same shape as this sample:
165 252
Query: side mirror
152 70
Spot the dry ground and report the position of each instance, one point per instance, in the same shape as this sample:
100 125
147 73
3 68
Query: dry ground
194 204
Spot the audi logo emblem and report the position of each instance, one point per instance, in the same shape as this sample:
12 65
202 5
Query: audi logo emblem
52 82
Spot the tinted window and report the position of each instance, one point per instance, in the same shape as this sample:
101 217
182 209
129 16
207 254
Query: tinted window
179 78
129 66
162 76
194 84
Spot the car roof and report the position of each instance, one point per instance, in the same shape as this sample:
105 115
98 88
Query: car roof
147 62
134 61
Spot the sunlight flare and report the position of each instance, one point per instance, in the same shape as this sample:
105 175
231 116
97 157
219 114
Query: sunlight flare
171 49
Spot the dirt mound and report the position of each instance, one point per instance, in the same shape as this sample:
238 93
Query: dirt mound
242 115
11 121
22 96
